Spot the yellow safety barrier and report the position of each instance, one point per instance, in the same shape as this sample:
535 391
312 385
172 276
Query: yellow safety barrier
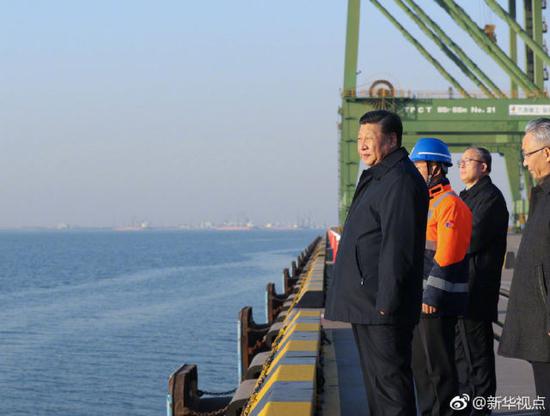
287 382
287 408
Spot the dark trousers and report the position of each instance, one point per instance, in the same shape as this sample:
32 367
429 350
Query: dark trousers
475 359
433 364
385 354
541 372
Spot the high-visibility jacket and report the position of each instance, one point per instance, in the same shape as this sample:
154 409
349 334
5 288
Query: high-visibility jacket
448 236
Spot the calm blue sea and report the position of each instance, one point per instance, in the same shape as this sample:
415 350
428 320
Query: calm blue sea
93 322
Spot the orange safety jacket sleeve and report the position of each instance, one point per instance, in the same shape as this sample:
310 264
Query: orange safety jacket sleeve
454 230
447 282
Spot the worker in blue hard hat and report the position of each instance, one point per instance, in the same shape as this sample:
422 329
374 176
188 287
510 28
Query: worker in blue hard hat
445 292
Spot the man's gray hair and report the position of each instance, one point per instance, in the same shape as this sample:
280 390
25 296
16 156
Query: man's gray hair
540 129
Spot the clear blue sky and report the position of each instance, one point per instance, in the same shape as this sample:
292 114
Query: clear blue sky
180 111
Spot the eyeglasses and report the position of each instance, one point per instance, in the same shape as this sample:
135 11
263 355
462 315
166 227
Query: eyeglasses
463 162
526 155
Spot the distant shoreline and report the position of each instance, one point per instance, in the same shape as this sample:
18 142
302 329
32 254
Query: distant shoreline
154 229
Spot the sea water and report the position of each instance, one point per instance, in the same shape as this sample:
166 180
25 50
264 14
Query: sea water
94 322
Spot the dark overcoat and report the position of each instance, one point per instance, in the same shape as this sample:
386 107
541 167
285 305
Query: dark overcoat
525 333
380 257
487 248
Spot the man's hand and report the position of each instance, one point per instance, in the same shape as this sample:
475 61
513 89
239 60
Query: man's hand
428 309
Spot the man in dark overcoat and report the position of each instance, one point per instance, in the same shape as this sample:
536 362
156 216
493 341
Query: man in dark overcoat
377 284
526 332
475 338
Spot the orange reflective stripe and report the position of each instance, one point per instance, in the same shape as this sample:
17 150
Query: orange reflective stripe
436 202
440 199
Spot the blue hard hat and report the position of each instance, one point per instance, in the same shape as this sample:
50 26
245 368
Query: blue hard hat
431 150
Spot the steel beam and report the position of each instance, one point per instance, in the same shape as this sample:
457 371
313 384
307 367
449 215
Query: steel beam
534 45
537 38
464 68
348 126
513 46
352 47
493 50
529 55
453 46
421 49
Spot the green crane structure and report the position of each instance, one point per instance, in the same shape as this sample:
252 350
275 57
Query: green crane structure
496 121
